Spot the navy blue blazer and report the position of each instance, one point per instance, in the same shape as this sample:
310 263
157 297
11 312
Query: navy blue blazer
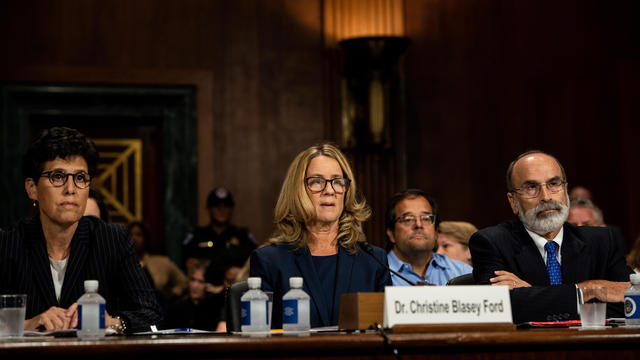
358 272
588 253
99 251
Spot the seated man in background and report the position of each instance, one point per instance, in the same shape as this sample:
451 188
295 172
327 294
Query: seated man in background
583 212
411 227
453 240
541 257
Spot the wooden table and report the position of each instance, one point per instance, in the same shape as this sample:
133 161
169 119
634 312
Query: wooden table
548 344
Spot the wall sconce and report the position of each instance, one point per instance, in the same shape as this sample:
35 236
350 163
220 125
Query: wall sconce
367 88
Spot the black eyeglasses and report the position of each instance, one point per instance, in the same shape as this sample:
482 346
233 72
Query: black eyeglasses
410 220
58 178
317 184
532 189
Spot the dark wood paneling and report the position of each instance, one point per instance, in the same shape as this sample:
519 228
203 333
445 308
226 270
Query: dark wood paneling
264 60
488 80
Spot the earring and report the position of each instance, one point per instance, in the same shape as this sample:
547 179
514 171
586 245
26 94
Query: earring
35 203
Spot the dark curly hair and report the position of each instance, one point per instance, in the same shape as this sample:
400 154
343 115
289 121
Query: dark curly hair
58 142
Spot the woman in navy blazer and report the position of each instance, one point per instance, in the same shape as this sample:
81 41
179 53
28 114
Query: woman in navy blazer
318 226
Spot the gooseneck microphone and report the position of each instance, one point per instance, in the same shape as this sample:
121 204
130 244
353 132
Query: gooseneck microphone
366 247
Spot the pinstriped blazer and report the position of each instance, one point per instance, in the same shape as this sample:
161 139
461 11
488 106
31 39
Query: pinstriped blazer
99 251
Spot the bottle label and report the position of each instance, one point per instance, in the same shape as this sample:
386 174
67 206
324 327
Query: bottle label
290 311
631 303
246 313
101 319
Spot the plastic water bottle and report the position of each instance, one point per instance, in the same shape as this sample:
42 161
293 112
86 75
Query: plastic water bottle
632 301
295 307
255 305
91 312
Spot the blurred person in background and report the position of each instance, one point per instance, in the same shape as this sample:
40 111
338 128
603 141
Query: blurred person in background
165 274
220 242
583 212
453 240
96 206
633 259
198 308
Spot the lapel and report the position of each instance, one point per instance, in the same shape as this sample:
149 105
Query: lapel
574 264
38 261
529 262
343 276
75 265
304 262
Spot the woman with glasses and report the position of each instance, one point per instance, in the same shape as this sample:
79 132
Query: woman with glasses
48 257
318 221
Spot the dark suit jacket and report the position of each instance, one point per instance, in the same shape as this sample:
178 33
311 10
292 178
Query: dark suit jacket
99 251
276 263
588 253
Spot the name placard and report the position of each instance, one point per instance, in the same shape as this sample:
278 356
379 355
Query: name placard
446 305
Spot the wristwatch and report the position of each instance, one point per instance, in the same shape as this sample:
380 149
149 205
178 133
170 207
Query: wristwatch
118 328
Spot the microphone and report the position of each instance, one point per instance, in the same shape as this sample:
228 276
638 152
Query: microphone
366 247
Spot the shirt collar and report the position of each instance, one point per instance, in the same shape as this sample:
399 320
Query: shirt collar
398 265
439 260
541 242
395 263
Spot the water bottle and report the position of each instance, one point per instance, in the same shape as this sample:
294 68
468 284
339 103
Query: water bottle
254 307
632 301
295 307
91 308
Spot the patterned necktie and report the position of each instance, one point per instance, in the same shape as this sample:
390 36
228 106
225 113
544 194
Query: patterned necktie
553 266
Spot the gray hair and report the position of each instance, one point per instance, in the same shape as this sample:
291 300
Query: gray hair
588 204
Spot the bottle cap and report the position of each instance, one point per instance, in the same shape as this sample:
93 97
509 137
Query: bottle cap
91 285
254 282
634 278
295 282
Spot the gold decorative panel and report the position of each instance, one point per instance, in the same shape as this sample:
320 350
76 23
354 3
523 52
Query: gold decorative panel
119 178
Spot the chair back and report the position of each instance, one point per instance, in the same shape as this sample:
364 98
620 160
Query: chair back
466 279
233 308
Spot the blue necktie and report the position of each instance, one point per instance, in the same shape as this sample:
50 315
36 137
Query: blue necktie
553 266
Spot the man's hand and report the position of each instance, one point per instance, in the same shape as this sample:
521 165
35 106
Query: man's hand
615 289
509 279
54 319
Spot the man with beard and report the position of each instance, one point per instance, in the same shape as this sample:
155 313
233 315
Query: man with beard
542 258
412 230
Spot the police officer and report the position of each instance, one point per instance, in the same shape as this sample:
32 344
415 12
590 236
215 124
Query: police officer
220 243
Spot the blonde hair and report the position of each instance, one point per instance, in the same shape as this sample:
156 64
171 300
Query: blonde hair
460 230
633 259
294 208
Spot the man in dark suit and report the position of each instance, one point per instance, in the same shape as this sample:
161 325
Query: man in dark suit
542 258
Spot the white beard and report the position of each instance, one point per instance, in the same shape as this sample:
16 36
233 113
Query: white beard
544 224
